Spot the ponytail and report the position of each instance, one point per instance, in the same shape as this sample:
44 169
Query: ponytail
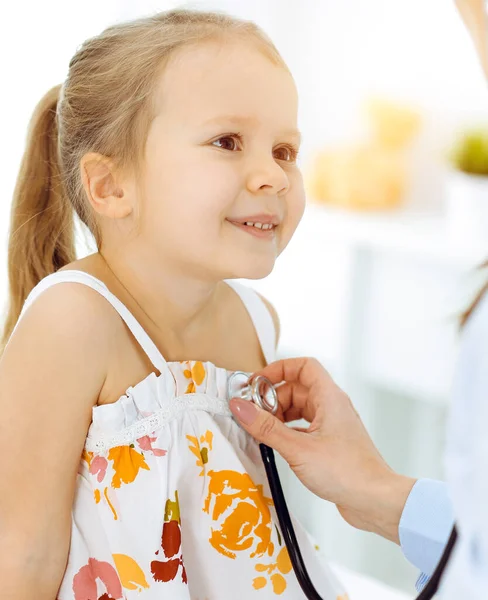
41 238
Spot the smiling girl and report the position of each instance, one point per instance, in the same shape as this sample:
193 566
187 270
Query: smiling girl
174 140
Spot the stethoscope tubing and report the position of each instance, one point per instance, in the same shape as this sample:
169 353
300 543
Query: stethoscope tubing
251 390
291 542
286 525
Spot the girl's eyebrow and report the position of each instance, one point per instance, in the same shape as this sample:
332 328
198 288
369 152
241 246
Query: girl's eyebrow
245 120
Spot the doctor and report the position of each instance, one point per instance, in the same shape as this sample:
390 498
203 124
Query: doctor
337 460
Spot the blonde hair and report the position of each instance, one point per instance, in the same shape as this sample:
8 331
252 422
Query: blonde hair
104 106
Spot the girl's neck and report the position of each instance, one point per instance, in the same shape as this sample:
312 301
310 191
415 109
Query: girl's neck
178 309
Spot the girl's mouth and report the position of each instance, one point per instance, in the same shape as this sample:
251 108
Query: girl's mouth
260 230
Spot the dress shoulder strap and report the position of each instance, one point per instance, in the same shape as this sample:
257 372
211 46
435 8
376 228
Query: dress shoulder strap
261 318
74 276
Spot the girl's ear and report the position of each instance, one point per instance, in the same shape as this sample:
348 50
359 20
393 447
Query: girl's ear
105 195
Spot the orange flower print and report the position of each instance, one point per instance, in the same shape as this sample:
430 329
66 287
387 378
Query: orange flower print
241 510
283 565
131 575
87 457
127 462
85 582
196 374
200 448
167 570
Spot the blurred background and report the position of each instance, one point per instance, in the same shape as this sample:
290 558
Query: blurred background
394 114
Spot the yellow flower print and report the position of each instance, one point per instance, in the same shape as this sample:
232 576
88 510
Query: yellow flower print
126 464
130 573
242 512
283 565
201 451
196 374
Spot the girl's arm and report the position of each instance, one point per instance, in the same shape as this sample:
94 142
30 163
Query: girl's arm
51 374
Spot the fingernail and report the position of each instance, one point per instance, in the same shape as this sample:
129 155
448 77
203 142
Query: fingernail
243 410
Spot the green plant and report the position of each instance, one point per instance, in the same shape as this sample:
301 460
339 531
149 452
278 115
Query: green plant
470 152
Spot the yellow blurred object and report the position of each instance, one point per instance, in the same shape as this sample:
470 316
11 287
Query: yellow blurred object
372 175
393 125
364 178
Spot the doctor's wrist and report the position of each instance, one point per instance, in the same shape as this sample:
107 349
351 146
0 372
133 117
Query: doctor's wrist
378 505
388 504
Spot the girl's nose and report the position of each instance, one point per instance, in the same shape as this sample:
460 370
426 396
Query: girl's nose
266 176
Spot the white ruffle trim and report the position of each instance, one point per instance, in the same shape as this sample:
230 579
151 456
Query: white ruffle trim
154 422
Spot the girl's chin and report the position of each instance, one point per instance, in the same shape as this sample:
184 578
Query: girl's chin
256 270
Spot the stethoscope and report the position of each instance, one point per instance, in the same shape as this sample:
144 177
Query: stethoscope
262 392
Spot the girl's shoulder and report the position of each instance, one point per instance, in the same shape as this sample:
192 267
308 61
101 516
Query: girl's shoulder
63 321
75 308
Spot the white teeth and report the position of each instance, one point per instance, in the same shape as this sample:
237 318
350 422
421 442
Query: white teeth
259 225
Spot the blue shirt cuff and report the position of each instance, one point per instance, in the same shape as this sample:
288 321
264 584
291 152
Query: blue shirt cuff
425 525
421 581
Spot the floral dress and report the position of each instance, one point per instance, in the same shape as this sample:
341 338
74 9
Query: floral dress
171 498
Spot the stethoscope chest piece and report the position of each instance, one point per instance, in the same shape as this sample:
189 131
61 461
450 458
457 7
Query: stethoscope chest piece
259 390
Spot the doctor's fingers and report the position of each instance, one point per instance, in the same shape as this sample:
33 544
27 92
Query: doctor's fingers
307 371
297 402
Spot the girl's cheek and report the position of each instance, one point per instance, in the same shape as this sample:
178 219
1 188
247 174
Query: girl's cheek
297 200
294 214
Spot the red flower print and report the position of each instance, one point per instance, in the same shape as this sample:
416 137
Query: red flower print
170 544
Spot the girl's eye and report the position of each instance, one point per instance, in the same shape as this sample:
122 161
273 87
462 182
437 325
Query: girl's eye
286 154
228 142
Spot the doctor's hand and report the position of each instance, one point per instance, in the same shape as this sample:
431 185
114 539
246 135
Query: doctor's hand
334 457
